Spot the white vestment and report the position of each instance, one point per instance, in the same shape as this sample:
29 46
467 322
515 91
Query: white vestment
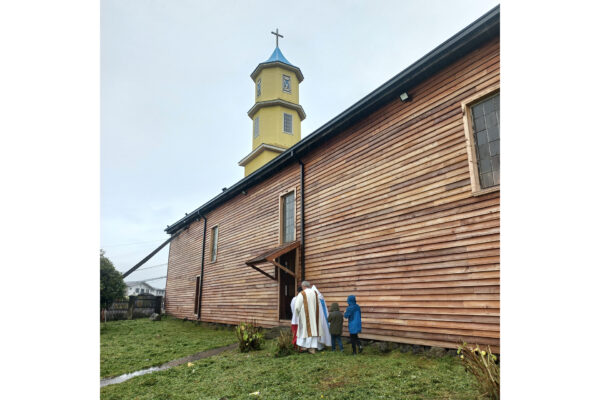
310 327
324 335
294 313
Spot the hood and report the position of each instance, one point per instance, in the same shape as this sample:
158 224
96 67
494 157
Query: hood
335 307
351 300
319 295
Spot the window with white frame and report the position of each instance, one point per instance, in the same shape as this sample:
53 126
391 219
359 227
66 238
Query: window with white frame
256 122
286 84
288 216
214 235
482 130
287 123
258 87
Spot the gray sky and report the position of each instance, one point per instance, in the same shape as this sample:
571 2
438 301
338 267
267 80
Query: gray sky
175 89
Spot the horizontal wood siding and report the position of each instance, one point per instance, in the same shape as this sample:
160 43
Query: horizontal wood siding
185 262
390 217
248 226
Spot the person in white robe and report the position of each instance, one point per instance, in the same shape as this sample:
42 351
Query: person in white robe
310 327
295 319
325 335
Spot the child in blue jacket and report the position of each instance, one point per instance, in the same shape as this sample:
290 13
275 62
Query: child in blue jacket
354 324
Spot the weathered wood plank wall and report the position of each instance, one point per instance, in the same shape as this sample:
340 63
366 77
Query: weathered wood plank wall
390 218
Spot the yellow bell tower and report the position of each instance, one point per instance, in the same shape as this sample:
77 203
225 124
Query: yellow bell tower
276 114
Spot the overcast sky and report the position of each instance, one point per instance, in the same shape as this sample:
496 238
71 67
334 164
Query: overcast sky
175 89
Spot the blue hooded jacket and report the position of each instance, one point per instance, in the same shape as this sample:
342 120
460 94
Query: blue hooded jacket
353 315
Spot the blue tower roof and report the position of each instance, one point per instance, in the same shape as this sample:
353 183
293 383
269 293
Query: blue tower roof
278 56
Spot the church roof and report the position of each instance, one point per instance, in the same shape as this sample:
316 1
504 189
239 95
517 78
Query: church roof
277 59
470 38
278 56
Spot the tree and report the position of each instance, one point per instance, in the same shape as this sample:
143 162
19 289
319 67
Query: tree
112 286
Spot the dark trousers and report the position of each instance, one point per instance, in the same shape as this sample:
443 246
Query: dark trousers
338 339
355 342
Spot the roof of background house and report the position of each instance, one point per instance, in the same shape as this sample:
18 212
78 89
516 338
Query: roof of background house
134 283
468 39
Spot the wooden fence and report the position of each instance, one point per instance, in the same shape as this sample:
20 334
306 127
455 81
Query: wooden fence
140 306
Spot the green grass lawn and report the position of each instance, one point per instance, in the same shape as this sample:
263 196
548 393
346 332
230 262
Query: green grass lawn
128 346
325 375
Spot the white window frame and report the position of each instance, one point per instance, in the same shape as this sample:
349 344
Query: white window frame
291 132
256 127
214 243
468 128
258 87
289 79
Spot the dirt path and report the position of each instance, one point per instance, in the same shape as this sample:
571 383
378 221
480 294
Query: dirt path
170 364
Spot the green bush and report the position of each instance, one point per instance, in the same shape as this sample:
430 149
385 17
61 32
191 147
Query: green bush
484 366
250 336
112 287
285 347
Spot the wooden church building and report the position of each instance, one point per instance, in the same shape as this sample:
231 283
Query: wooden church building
396 200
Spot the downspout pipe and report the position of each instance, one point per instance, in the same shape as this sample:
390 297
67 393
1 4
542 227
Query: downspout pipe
301 214
202 269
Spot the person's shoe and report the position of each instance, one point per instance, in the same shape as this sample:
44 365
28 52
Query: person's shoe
311 351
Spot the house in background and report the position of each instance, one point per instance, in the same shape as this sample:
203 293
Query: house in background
140 287
396 200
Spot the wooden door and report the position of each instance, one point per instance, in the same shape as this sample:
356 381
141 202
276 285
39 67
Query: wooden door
287 285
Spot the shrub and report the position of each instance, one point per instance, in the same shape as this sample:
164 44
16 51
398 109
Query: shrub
484 366
249 336
112 286
285 346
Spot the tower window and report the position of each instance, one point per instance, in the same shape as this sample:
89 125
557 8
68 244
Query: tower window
256 121
287 87
258 87
287 123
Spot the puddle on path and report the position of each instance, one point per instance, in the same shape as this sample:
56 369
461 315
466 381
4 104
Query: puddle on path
124 377
170 364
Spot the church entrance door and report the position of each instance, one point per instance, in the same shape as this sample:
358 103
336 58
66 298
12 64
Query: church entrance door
287 284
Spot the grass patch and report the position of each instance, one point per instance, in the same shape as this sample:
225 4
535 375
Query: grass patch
327 375
128 346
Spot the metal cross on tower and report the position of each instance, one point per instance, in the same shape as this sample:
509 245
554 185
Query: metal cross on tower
277 36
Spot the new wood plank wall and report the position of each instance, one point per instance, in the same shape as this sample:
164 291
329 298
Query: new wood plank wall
389 217
233 292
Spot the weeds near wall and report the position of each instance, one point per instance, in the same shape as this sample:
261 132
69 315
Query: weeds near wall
249 336
285 347
484 366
